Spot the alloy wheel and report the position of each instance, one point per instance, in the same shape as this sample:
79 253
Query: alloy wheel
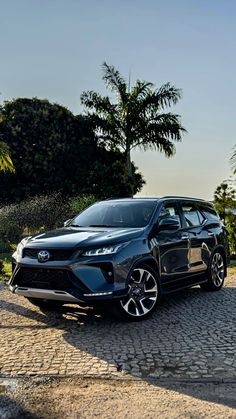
217 269
142 295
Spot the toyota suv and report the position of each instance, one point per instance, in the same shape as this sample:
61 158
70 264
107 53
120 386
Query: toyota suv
128 252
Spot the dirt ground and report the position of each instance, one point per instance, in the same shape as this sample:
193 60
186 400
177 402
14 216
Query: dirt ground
73 398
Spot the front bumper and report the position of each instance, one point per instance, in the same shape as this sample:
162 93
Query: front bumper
80 281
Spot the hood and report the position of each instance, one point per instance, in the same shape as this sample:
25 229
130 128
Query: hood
82 237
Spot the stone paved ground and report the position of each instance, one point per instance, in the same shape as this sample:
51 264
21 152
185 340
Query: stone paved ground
191 336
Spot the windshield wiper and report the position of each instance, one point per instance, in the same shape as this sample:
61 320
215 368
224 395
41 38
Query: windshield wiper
74 225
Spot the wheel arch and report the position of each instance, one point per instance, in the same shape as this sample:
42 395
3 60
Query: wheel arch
148 261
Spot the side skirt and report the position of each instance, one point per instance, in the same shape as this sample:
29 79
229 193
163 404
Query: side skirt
180 284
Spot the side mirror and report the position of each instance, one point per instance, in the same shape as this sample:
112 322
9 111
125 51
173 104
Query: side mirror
67 222
168 224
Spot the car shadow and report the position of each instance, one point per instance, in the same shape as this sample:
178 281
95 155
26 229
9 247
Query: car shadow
190 331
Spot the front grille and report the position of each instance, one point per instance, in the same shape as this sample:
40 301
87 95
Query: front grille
55 254
44 279
51 279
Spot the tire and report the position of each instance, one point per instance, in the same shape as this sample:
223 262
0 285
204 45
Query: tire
143 296
45 304
216 273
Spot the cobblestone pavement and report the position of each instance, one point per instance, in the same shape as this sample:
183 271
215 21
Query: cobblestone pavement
192 335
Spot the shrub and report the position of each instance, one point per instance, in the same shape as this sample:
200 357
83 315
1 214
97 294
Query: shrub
79 203
36 214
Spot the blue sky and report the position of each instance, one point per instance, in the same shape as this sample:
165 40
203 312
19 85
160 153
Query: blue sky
54 49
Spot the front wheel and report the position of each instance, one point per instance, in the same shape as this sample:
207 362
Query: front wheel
143 295
216 273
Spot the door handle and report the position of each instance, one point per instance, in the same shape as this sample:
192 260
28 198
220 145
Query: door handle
185 236
210 234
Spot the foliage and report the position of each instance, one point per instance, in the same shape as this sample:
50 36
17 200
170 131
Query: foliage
33 215
225 204
5 266
224 199
5 159
53 150
79 203
137 118
38 214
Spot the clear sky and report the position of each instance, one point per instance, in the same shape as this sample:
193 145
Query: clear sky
54 49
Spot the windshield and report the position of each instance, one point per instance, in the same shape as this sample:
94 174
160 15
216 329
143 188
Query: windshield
116 214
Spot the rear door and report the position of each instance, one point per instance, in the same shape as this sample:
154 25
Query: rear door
201 240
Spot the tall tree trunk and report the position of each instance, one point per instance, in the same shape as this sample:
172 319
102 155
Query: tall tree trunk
129 168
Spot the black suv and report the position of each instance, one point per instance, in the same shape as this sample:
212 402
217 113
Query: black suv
126 251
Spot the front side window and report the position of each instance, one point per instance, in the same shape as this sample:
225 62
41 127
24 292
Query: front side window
169 211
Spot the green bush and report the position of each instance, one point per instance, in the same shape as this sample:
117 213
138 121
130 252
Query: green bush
38 214
33 215
79 203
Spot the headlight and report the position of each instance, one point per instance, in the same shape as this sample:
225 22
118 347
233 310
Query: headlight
108 250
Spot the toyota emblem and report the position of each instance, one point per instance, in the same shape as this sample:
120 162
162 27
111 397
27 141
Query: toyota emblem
43 256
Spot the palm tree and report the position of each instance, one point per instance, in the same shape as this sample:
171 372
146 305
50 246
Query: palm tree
137 118
5 159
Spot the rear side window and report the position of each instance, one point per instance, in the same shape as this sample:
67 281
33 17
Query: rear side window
210 213
192 216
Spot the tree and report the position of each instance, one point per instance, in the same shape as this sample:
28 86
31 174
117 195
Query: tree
5 159
56 151
225 204
224 200
137 118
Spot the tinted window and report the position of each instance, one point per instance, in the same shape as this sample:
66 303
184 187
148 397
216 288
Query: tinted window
169 211
201 217
210 213
191 215
116 214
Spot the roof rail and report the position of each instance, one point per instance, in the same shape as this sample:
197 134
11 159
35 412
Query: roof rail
183 197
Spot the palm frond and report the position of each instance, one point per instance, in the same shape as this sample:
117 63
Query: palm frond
112 77
115 81
96 102
140 90
163 97
168 124
158 143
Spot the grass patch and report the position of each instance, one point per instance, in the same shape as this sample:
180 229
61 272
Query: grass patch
233 265
5 266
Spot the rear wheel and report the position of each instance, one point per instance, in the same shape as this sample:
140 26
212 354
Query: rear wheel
216 273
143 295
45 304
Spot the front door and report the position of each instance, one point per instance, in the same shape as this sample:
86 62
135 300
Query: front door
174 247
